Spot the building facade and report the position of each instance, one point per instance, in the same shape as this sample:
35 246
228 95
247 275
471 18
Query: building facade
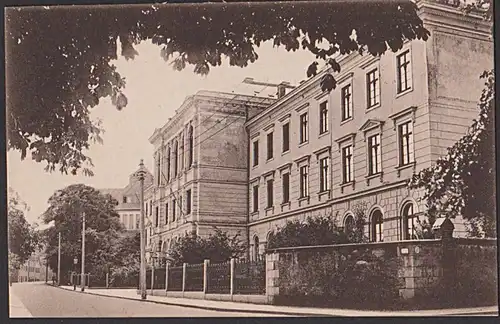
316 153
200 169
129 206
34 269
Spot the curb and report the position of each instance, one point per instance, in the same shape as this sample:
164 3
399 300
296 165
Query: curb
221 309
218 309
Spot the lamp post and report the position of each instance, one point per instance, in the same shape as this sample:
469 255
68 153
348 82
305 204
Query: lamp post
75 262
83 252
140 174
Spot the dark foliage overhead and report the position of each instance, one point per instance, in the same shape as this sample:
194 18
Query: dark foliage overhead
58 58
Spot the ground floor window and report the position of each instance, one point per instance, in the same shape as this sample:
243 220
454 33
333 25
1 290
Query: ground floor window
377 226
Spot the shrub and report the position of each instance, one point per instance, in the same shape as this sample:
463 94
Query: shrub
218 247
336 279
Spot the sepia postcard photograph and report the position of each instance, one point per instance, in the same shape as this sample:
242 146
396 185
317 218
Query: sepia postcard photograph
177 159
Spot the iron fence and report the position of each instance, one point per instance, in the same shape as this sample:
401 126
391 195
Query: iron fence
175 279
219 277
159 281
250 277
194 277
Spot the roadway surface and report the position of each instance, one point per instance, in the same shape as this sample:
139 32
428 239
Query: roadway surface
46 301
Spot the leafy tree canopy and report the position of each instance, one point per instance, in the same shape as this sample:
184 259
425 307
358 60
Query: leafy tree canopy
23 237
463 181
320 230
58 58
125 260
66 207
218 247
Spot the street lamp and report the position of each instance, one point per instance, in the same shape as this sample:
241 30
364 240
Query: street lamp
141 174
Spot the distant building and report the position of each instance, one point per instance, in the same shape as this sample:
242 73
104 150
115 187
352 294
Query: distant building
129 207
317 153
34 269
200 168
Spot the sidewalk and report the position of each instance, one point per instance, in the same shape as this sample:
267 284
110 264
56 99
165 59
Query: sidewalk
16 307
283 310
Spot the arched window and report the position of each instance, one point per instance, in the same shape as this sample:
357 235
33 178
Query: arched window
409 222
176 158
349 224
256 248
190 147
377 226
158 168
168 165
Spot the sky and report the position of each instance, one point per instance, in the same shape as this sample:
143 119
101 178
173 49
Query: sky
154 91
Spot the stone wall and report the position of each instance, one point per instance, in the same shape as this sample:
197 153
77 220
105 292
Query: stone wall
425 270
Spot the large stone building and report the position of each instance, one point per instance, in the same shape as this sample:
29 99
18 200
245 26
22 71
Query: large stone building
129 206
390 116
200 168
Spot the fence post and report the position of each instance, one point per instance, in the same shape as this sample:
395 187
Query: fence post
107 280
231 277
205 276
152 279
184 276
166 278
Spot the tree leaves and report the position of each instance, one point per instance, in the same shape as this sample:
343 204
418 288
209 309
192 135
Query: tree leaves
23 237
74 47
318 230
218 247
463 181
66 208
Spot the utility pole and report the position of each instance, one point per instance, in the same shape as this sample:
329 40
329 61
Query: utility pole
59 261
83 252
142 274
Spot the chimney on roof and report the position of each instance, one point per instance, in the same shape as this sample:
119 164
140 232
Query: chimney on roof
282 89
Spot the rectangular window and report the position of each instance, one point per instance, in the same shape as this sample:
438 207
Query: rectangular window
188 201
167 220
346 94
304 183
323 117
270 146
157 216
347 164
286 137
323 175
270 193
137 220
255 153
286 187
373 88
406 143
374 155
404 71
173 210
255 198
303 128
131 221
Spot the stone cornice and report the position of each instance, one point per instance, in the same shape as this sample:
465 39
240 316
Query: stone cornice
408 111
213 97
452 17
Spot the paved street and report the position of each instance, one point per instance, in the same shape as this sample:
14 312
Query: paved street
46 301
